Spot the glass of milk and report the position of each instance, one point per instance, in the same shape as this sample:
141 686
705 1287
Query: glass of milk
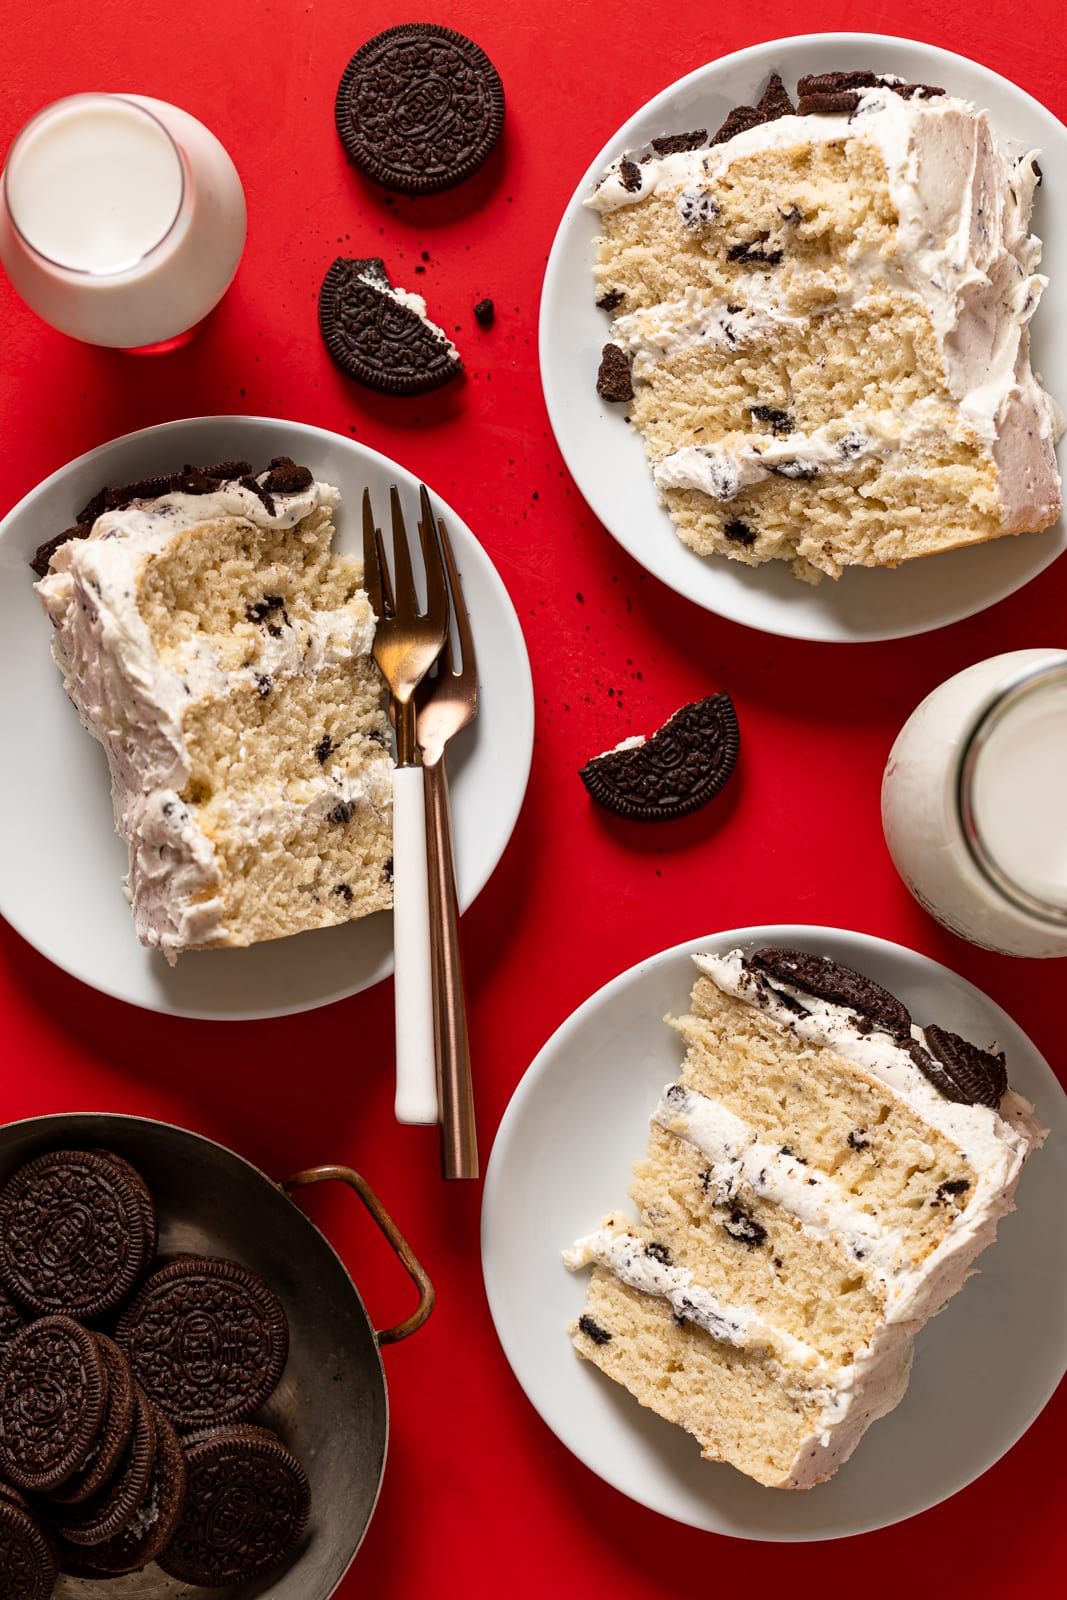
974 803
122 220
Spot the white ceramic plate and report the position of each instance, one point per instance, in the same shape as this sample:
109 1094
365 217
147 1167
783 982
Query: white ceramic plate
607 458
983 1369
61 863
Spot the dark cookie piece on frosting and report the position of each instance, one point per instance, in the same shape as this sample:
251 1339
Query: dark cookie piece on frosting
375 337
740 118
207 1340
613 379
960 1070
839 985
73 1234
53 1389
247 1507
671 144
419 108
29 1565
680 768
774 101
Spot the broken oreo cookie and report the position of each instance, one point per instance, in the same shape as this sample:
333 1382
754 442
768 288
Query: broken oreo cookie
378 335
839 985
680 768
613 379
419 108
960 1070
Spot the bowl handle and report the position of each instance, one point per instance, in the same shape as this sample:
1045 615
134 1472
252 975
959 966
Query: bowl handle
416 1272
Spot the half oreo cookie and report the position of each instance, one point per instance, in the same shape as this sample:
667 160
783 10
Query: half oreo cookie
680 768
419 108
379 335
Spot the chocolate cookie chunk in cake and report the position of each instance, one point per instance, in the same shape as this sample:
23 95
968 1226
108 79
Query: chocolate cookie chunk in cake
208 1340
73 1234
115 1433
53 1389
680 768
419 108
152 1523
381 336
109 1511
28 1563
247 1506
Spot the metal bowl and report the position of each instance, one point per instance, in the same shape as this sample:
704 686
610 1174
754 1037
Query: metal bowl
331 1406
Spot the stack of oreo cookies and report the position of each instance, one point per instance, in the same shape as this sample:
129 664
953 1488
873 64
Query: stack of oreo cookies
126 1385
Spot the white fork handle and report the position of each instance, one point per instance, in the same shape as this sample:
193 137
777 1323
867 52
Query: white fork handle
416 1072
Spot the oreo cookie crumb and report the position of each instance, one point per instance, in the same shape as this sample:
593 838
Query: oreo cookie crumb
629 175
342 813
485 313
613 379
658 1252
593 1330
740 118
611 301
745 1229
739 532
779 422
672 144
774 101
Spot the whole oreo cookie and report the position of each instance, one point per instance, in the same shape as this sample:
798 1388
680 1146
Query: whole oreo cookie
680 768
961 1071
28 1560
419 108
151 1525
377 337
840 985
144 1199
109 1511
119 1415
73 1234
53 1389
207 1340
247 1506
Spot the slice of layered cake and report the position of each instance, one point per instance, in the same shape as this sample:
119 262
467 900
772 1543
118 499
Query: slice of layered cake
221 653
816 1185
825 312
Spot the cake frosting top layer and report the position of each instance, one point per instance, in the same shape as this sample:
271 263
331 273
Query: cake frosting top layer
962 247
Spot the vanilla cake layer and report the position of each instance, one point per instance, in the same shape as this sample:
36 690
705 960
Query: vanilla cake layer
816 1185
222 654
827 320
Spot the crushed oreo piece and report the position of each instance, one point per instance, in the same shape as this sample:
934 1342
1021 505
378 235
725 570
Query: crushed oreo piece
323 749
739 532
673 144
593 1330
745 1229
629 175
779 422
774 102
950 1189
755 250
658 1252
802 471
839 985
344 891
484 313
263 608
284 476
680 768
740 118
613 380
697 207
856 1141
611 300
836 82
1038 174
827 104
342 812
977 1077
261 492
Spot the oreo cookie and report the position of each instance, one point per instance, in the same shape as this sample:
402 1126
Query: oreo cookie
378 337
247 1506
73 1234
207 1339
110 1447
104 1516
419 108
839 985
613 380
151 1525
53 1389
29 1564
680 768
961 1071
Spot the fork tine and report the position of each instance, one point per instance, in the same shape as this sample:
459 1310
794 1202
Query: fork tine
372 565
436 588
403 580
468 660
386 582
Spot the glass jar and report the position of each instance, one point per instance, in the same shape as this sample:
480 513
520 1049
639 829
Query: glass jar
974 803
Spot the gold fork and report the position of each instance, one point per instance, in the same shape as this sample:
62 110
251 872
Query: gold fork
446 703
407 642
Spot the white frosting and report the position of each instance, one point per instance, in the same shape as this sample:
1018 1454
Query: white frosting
135 704
963 248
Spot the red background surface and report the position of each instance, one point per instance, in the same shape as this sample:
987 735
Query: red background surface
479 1498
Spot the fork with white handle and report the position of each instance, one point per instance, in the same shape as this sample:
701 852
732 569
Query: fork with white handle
407 642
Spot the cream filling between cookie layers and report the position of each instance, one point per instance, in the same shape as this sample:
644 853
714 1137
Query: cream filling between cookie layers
963 249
